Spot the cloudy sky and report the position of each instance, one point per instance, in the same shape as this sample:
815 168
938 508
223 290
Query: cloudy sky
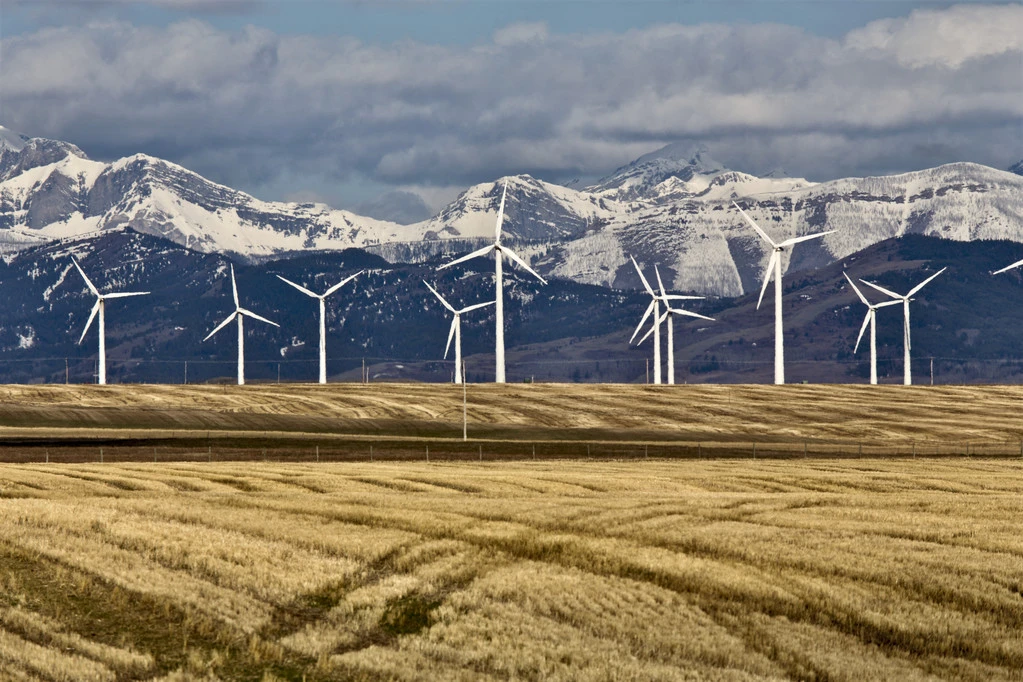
340 100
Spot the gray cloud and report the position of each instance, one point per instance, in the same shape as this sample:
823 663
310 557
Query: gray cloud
250 107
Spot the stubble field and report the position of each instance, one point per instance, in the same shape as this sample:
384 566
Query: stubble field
801 569
610 532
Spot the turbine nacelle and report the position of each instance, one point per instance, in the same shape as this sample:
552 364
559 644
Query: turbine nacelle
238 311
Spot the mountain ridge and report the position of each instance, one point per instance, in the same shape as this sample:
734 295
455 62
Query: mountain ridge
672 207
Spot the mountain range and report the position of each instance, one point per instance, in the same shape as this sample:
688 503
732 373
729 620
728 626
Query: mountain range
672 207
967 320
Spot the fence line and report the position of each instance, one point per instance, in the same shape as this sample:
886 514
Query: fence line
325 449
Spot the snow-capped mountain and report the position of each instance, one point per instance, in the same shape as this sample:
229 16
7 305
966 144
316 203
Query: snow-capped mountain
703 245
672 207
51 189
1017 167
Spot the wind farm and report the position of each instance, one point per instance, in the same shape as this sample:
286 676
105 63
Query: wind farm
494 394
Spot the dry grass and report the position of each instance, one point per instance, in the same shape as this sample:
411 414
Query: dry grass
792 414
804 569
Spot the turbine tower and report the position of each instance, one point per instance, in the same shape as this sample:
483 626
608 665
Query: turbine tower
456 329
100 308
323 324
500 251
907 372
871 319
239 313
774 267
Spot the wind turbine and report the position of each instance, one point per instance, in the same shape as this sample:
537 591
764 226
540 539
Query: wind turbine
100 308
456 329
775 265
239 313
871 319
323 324
655 308
499 252
907 373
669 314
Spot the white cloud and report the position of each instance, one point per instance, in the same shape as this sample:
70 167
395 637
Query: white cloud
947 38
250 107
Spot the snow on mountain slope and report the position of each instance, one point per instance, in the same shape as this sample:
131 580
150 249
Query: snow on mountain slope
72 195
704 245
534 210
672 207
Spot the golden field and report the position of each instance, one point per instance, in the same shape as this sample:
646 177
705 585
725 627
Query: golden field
560 570
558 419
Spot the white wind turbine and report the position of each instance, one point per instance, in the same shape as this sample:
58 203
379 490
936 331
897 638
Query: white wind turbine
654 307
907 372
456 329
323 313
239 313
100 308
499 252
774 267
669 314
871 319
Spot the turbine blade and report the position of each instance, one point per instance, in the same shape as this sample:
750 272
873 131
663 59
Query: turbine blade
649 309
340 284
451 335
646 336
678 297
440 298
88 282
796 240
690 313
883 290
297 286
126 294
922 284
660 284
886 304
755 226
474 307
646 284
243 311
863 328
234 288
858 292
511 254
92 316
909 340
230 318
1008 267
767 277
469 256
500 214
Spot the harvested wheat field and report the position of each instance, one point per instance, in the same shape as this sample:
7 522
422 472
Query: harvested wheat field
291 422
561 570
